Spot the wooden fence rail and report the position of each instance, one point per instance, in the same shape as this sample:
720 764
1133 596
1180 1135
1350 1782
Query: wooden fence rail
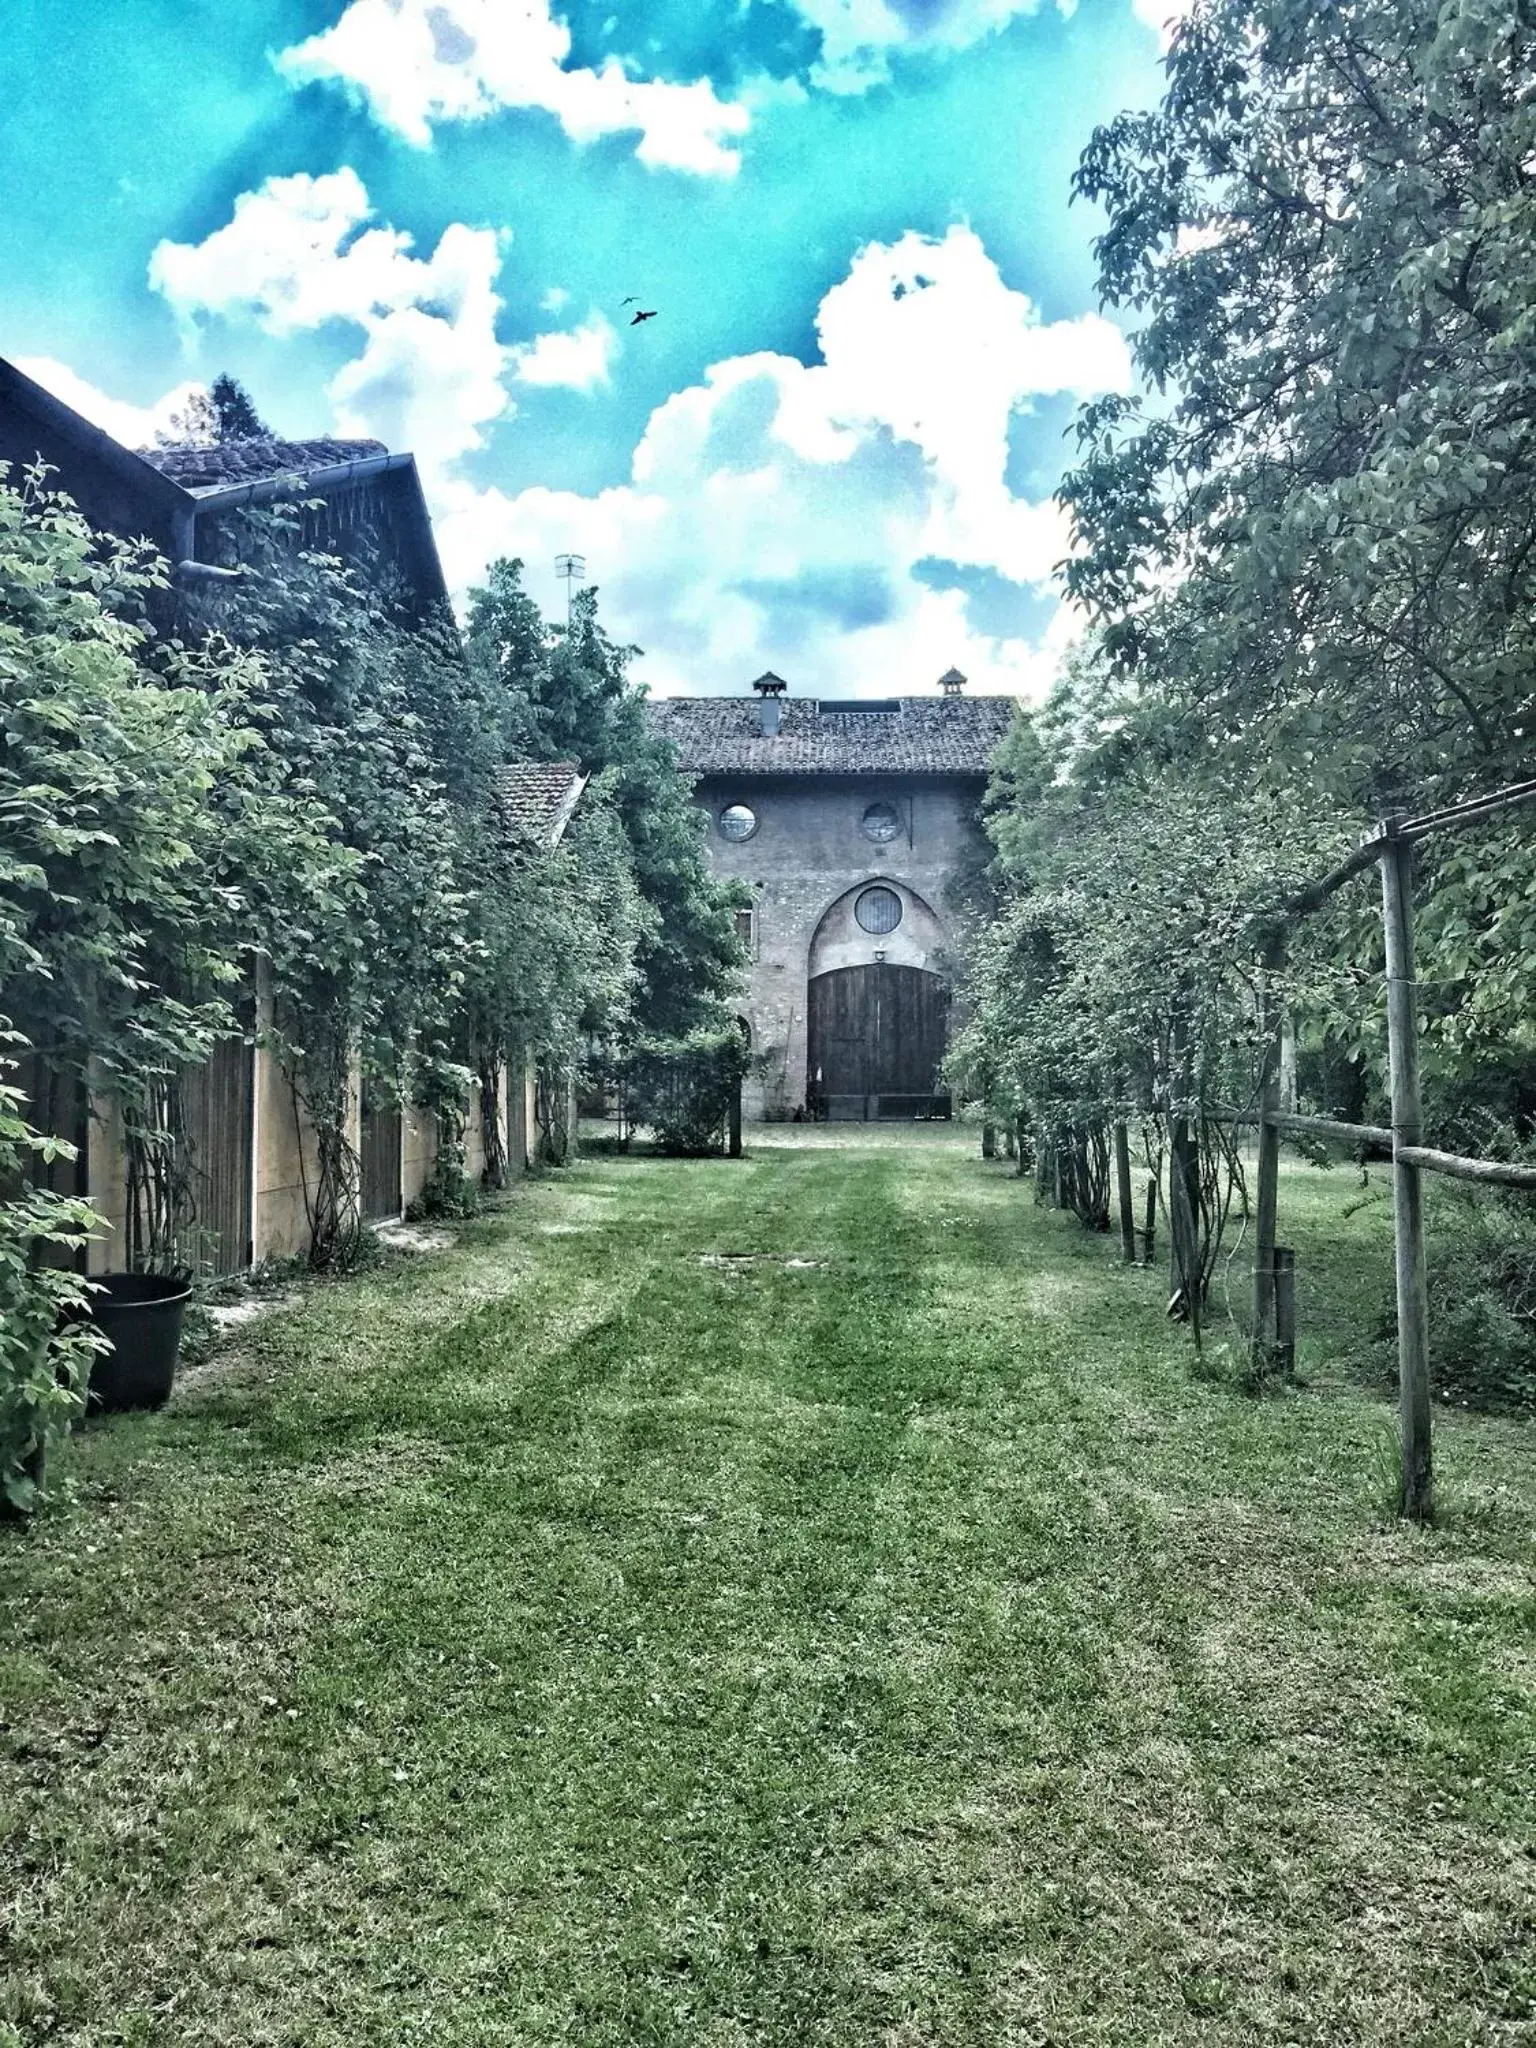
1374 1140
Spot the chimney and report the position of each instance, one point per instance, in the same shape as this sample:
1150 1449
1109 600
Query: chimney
770 688
952 682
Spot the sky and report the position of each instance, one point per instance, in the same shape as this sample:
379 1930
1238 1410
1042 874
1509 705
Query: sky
833 450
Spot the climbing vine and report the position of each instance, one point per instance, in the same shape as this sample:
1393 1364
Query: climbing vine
119 930
45 1348
360 910
117 934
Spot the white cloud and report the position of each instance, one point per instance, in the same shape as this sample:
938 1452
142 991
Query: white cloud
297 255
419 62
778 513
135 426
1161 16
827 519
581 360
293 257
858 36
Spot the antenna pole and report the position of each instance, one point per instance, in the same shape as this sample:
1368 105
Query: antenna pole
571 569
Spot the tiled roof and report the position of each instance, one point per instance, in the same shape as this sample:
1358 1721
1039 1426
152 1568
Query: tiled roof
537 798
170 495
834 736
243 462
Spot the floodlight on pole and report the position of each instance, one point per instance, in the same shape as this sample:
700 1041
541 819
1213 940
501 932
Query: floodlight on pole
571 569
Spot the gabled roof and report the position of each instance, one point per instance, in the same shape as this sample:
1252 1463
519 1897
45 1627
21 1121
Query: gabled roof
833 736
161 494
116 489
538 799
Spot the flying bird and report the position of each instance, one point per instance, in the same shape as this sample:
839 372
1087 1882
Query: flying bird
641 316
632 300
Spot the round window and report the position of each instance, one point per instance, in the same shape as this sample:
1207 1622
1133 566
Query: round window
880 823
878 911
737 821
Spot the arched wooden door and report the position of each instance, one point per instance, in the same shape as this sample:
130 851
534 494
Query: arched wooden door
877 1037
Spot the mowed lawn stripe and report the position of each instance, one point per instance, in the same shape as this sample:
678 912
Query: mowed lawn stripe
809 1599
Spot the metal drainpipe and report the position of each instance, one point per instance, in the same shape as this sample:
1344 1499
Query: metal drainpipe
184 535
204 572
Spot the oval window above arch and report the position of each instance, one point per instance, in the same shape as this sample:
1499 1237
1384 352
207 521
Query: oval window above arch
737 822
878 911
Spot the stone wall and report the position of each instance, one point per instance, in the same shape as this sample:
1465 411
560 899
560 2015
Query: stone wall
806 862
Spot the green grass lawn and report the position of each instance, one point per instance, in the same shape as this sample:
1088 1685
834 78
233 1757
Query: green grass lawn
803 1600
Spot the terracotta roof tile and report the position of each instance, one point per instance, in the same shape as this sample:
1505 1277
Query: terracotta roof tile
243 462
536 798
834 736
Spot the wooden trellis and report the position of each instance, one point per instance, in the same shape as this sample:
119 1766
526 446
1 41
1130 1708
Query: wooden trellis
1391 846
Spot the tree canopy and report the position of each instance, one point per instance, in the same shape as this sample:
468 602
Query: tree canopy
1306 546
566 695
1315 530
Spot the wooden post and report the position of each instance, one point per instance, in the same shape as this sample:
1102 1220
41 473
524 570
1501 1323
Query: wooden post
1285 1310
989 1141
1418 1494
1287 1062
1268 1194
1123 1191
1184 1222
733 1134
1183 1175
1149 1238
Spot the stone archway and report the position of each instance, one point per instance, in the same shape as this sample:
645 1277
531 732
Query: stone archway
877 1009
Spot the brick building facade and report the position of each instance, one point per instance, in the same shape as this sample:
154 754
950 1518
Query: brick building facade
852 821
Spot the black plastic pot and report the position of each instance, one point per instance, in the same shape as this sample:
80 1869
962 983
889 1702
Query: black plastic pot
32 1466
140 1315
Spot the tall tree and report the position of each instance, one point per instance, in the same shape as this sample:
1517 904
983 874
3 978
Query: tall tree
1321 530
567 696
234 411
224 412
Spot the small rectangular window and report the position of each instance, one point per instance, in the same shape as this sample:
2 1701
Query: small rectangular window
746 931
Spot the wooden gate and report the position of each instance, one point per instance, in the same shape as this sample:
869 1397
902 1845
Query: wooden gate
877 1038
382 1136
218 1103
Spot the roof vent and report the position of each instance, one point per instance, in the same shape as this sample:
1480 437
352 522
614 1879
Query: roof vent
952 682
770 688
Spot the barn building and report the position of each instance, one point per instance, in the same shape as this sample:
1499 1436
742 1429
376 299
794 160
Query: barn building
854 821
354 493
250 1157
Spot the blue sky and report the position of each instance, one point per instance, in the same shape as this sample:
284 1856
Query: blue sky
831 453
